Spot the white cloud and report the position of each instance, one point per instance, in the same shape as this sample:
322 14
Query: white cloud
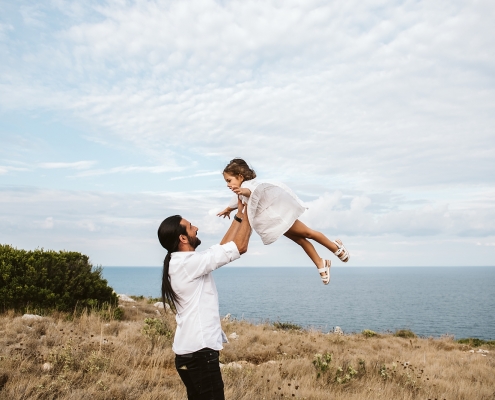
48 223
329 213
32 15
68 165
380 113
199 174
400 89
4 28
4 169
156 169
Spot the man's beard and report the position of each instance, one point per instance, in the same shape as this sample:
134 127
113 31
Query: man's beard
194 242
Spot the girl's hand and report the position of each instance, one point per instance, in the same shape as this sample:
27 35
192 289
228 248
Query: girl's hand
225 213
241 191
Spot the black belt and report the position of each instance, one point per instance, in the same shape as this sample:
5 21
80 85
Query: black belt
199 352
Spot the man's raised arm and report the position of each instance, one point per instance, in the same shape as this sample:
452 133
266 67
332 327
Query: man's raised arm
239 232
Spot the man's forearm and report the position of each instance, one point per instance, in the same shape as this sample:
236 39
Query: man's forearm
239 233
243 234
233 229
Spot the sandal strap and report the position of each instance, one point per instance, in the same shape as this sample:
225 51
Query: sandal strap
341 252
326 270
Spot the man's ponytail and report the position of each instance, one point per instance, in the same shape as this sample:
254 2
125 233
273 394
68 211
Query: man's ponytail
168 235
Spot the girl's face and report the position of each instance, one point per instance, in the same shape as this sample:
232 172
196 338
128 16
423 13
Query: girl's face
233 181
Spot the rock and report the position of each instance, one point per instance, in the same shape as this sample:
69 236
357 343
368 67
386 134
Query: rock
270 362
471 351
226 318
157 312
159 304
233 336
233 365
483 351
245 363
125 298
32 317
46 367
338 330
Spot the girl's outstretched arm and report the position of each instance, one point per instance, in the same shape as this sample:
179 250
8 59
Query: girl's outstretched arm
242 191
225 213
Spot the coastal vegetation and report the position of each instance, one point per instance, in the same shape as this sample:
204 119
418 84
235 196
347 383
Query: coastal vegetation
42 281
89 355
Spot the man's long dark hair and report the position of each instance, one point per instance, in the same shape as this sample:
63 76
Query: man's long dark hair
168 235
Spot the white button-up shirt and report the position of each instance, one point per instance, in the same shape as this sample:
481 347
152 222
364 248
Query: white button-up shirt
198 316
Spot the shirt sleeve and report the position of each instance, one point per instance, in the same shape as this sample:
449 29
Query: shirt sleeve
215 257
233 202
251 184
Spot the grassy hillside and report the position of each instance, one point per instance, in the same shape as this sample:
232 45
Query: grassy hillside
89 357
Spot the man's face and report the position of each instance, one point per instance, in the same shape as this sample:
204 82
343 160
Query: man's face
191 232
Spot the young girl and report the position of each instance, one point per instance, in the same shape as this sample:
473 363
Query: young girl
273 210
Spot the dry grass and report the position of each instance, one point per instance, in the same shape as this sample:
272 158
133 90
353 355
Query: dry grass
91 358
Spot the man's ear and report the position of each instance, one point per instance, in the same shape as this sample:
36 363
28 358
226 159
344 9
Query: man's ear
183 239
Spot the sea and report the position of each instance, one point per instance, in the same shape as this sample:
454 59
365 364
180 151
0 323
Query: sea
430 301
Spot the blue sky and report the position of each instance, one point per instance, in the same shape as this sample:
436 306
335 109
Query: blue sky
379 115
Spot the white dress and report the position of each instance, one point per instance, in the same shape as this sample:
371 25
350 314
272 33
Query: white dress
272 208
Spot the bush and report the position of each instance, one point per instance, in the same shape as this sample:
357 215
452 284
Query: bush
322 363
405 333
287 326
157 327
368 333
42 280
475 342
111 313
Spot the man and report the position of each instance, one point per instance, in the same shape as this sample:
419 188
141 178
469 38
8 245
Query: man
188 285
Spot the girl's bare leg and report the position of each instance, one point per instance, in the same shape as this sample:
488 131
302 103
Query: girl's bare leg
298 229
309 249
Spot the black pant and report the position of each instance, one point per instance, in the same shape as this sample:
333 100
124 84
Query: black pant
200 372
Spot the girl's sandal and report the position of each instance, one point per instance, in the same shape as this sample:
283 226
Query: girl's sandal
325 269
341 252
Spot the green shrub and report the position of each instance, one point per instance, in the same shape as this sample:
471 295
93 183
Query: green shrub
342 376
405 333
42 281
157 330
322 363
157 327
153 300
111 313
368 333
287 326
475 342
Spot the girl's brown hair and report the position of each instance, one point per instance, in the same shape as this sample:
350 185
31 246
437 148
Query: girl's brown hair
238 166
